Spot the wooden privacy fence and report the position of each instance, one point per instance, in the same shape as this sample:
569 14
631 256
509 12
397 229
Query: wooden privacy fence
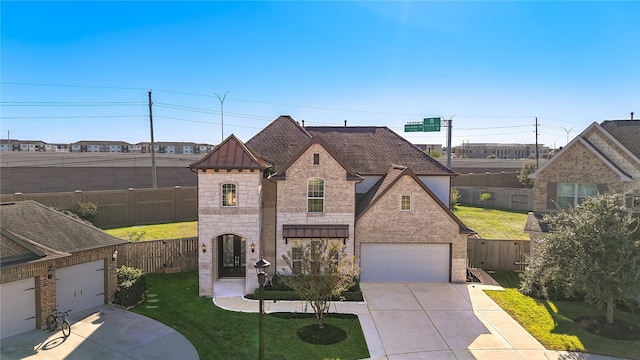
494 254
160 256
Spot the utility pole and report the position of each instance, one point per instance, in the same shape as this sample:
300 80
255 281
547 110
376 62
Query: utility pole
222 112
154 177
449 127
537 155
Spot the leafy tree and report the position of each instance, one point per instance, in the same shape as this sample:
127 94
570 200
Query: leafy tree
592 250
528 168
325 271
434 153
484 197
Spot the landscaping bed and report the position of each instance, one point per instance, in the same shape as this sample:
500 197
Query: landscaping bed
561 325
222 334
277 290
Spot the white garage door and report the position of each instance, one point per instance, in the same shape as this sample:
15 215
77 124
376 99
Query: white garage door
18 307
80 287
405 262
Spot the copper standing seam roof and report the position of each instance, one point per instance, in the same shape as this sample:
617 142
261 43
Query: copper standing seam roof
230 154
315 231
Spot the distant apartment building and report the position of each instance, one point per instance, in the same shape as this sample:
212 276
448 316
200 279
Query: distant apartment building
103 146
501 151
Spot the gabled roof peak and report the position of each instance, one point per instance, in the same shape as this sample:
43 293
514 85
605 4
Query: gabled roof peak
231 154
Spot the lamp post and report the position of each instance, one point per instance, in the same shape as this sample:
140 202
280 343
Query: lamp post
261 269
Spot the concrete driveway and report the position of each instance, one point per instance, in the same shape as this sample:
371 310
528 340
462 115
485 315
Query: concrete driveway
444 321
103 333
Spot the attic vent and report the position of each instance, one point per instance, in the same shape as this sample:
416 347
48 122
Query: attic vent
316 159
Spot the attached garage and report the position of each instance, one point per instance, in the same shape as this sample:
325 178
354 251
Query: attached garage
80 287
391 262
18 307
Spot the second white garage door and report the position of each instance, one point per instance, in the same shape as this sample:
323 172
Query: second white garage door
80 286
18 305
405 262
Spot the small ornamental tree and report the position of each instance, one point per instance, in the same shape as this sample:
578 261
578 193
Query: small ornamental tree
322 270
528 168
593 250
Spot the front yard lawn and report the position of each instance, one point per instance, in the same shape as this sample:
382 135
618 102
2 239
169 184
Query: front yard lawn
551 322
157 231
222 334
492 223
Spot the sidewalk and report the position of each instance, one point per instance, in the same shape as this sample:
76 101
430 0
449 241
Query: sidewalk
407 321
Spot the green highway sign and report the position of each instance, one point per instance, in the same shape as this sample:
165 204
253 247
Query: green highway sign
414 127
430 124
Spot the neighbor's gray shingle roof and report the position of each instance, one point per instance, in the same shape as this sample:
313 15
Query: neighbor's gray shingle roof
368 150
53 229
627 132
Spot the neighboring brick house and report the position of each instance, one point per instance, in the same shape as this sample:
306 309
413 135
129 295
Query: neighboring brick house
604 158
364 187
50 259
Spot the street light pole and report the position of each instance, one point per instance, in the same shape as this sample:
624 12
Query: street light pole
567 131
222 112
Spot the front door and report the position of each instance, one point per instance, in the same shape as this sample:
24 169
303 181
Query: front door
231 260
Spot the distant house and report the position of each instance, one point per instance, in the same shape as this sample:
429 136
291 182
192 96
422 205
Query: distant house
603 158
50 259
366 188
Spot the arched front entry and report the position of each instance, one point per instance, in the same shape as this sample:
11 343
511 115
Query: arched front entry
231 256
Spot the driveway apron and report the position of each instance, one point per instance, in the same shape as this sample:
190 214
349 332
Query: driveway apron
442 321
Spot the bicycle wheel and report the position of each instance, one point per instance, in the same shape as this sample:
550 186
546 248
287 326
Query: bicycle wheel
66 328
51 322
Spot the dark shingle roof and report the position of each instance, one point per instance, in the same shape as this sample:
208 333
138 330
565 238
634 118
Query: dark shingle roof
368 150
627 132
279 141
230 154
48 227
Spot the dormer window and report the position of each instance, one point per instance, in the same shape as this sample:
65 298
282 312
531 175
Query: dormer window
405 203
316 159
229 196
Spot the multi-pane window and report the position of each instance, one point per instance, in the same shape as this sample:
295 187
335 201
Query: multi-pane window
572 194
333 247
229 196
315 195
405 203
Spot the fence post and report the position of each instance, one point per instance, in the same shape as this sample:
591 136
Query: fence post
131 207
177 204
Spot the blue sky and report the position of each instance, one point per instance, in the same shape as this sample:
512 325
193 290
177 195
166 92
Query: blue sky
82 70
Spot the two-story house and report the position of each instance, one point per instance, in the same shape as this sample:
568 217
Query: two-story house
603 158
366 188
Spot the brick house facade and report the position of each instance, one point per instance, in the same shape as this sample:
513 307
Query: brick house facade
604 158
290 184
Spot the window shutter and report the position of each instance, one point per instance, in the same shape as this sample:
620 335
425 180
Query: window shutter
552 195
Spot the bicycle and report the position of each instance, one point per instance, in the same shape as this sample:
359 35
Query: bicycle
59 321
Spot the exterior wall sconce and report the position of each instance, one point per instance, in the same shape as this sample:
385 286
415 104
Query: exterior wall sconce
114 256
50 272
253 247
204 248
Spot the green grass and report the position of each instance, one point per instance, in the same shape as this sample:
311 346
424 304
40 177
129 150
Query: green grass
551 322
221 334
494 224
158 231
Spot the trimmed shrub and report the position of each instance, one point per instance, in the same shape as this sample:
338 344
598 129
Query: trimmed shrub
87 210
131 286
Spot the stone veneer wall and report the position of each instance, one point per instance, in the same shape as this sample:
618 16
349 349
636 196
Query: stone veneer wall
339 200
213 220
426 223
576 164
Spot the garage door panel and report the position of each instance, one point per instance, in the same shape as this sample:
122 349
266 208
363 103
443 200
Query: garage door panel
80 287
405 262
17 307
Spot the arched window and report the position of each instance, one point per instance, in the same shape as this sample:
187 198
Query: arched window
315 195
229 195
